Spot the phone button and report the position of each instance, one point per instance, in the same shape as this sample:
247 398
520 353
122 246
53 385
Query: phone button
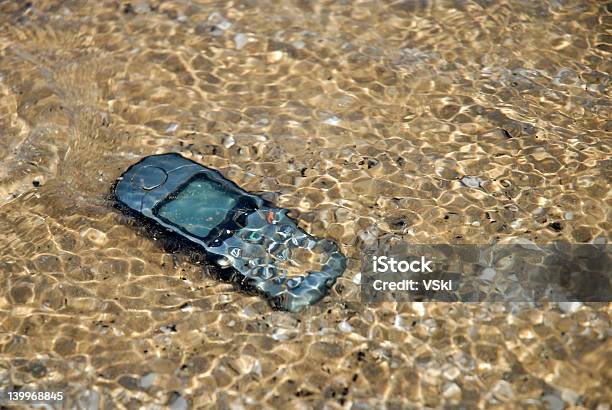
240 218
266 272
235 252
283 231
252 236
149 177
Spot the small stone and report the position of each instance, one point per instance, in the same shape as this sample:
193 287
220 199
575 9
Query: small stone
398 322
186 307
345 327
240 40
554 402
570 307
516 224
141 7
570 396
451 390
368 236
274 56
171 128
332 120
88 399
168 329
452 373
147 380
224 25
472 182
569 216
600 240
229 141
283 334
357 278
128 382
177 402
419 308
503 391
488 274
216 31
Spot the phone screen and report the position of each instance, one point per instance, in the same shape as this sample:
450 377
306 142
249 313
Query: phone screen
199 207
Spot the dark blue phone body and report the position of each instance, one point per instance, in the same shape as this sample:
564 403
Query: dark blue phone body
248 240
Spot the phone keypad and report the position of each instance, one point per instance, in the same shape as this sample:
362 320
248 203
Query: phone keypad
263 251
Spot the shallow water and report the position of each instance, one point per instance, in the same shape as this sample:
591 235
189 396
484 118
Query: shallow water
438 122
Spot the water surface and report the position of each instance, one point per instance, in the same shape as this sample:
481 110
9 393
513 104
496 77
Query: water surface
435 121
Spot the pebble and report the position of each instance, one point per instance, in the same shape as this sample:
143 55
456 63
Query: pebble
503 391
451 390
345 327
452 373
357 278
274 56
229 141
240 40
141 7
600 240
220 23
569 216
570 396
167 329
516 224
147 380
171 128
398 322
224 25
368 236
419 308
88 399
332 121
472 182
488 274
283 334
554 402
570 307
262 122
178 402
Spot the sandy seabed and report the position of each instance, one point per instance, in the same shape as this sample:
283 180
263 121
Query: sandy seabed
434 121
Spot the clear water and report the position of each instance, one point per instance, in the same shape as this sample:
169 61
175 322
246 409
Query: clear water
434 121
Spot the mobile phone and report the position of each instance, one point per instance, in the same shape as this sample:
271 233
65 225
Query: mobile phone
251 242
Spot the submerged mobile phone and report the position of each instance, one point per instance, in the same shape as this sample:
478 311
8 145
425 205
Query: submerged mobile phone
251 242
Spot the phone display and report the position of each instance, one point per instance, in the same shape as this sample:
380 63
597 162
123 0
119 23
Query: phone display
253 243
198 207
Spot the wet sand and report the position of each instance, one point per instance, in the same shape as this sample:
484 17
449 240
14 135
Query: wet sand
436 122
